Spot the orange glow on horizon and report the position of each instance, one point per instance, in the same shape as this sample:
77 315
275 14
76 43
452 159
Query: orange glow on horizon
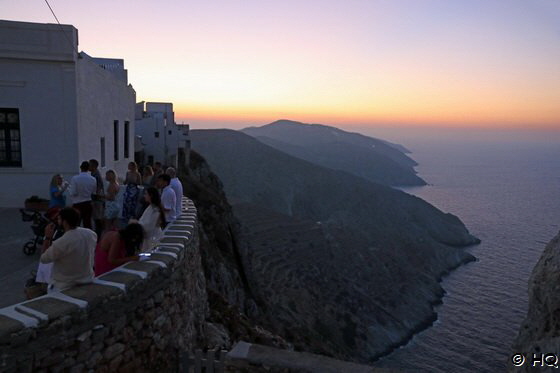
518 119
463 63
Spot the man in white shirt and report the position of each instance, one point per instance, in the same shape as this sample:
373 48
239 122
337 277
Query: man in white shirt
82 186
168 197
177 187
72 254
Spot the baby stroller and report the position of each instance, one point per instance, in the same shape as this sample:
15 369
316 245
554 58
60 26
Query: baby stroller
38 225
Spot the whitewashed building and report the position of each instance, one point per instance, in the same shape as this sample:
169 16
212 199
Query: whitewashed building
58 107
160 136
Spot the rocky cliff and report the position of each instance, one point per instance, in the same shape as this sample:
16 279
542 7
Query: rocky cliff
540 331
333 263
233 312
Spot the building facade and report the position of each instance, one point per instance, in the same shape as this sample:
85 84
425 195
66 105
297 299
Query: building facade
58 107
160 136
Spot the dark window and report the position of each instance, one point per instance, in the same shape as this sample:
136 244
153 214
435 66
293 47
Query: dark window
169 132
102 157
156 134
126 139
150 159
10 142
116 139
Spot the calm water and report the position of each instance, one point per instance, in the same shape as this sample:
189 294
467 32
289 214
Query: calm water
508 195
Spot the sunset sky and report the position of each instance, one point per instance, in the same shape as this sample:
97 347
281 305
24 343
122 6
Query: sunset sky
479 63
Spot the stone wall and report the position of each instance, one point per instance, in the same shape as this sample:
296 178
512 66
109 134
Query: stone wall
136 318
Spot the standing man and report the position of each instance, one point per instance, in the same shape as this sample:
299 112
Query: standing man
82 186
98 203
168 198
72 254
177 187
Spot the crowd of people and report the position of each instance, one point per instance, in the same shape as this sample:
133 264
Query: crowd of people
100 225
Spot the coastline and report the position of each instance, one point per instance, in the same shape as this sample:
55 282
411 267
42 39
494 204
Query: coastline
429 320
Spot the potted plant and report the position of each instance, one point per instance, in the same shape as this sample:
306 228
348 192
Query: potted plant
36 203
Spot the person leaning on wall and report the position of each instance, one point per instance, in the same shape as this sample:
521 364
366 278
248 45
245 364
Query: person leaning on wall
177 187
168 197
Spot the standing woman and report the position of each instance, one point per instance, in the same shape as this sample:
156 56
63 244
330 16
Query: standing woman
153 218
112 208
130 200
56 191
147 176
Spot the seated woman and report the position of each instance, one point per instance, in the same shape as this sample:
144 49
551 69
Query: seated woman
153 218
44 270
56 191
118 247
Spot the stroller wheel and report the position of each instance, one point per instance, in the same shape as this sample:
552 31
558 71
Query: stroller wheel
29 248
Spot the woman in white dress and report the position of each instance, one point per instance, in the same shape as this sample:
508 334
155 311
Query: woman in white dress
153 219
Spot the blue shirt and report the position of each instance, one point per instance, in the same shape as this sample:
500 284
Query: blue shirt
55 201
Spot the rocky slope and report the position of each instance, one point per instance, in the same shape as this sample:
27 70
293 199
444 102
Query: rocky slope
373 159
233 313
336 264
540 331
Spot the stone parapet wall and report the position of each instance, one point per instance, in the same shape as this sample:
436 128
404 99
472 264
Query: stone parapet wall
136 318
255 358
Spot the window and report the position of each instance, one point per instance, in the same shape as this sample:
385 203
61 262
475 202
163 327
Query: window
156 134
126 139
116 139
102 157
10 142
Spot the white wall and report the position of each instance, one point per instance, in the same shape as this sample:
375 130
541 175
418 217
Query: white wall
65 104
171 135
37 76
102 99
146 127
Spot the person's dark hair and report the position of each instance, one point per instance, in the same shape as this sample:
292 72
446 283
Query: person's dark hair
132 235
84 166
165 177
71 216
93 163
156 201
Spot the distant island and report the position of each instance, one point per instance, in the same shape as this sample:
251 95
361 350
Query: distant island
373 159
334 262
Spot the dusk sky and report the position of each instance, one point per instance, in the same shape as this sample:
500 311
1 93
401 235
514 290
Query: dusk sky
479 63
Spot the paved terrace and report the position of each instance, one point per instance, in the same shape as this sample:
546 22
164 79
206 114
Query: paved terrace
15 266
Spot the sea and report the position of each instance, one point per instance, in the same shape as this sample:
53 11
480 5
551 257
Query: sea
505 187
